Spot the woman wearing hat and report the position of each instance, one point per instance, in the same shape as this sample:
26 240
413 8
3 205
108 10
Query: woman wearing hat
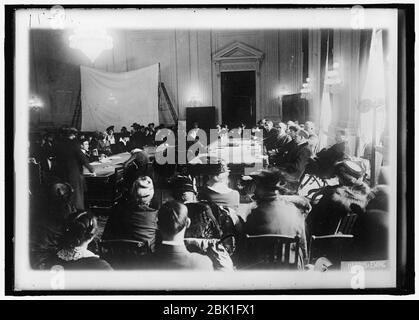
135 220
349 196
203 223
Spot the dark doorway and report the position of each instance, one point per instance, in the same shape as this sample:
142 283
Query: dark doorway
238 98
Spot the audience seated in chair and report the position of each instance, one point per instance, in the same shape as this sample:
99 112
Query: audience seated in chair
349 196
172 254
135 167
371 231
371 236
270 136
297 158
103 145
283 137
217 189
203 223
123 144
48 225
322 165
74 255
274 214
135 219
85 148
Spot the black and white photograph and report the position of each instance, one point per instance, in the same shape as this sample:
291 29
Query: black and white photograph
205 149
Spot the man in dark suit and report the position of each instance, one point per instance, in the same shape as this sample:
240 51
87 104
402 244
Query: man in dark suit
273 214
297 159
172 252
70 161
270 136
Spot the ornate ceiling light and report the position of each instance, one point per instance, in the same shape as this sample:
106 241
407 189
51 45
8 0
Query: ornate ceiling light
92 42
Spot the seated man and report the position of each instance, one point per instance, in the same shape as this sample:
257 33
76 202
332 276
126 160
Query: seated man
135 220
103 145
283 137
296 159
273 213
290 144
171 253
270 136
123 144
84 144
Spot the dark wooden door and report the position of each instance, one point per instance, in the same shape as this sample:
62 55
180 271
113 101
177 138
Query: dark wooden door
238 98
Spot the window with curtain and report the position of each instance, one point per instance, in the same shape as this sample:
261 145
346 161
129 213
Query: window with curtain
372 104
326 62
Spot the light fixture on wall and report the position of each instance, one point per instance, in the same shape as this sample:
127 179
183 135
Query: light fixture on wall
92 42
306 90
35 104
194 102
333 81
194 94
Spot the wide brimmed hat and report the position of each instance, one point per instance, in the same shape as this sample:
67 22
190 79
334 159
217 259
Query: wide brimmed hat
269 179
349 170
110 128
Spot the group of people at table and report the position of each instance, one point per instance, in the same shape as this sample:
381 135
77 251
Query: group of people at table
185 231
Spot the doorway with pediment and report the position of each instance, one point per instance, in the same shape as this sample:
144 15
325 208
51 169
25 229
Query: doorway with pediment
237 88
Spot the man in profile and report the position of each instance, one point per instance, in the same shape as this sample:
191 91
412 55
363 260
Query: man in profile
270 136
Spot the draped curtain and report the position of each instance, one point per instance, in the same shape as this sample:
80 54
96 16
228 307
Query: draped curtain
364 56
326 60
119 99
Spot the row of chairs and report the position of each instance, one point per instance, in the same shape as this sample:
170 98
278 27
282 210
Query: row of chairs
267 251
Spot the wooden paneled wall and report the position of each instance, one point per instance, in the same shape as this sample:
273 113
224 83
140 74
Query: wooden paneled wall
185 58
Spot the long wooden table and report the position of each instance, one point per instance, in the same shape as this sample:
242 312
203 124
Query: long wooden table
107 166
239 154
105 187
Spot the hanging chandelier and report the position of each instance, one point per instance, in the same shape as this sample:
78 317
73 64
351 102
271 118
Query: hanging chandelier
92 42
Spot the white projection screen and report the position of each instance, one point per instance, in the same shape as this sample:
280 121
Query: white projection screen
118 99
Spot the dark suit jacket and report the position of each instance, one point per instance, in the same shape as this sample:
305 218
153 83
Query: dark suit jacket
282 141
277 216
178 258
132 223
69 167
270 138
